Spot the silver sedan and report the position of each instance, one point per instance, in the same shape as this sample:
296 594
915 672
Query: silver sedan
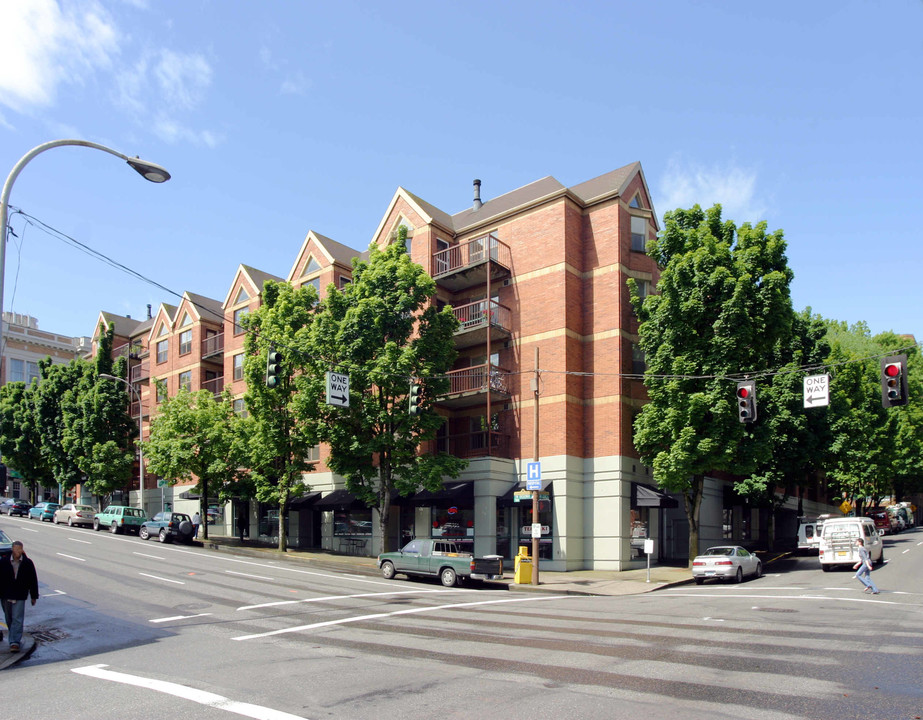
726 562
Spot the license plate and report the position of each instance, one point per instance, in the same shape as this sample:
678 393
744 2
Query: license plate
841 554
709 572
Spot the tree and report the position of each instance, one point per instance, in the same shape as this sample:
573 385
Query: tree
907 426
196 437
284 427
384 331
20 441
722 309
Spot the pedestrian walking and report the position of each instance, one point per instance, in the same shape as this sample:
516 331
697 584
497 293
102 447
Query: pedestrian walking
195 526
18 581
863 568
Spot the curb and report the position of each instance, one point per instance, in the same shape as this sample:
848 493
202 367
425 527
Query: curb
27 647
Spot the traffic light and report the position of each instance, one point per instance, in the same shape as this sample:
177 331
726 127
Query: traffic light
414 404
273 361
894 381
746 401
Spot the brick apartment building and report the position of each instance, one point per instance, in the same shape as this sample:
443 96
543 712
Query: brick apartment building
541 270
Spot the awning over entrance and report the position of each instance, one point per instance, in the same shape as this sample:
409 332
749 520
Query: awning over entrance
190 495
646 496
507 499
338 499
305 501
453 492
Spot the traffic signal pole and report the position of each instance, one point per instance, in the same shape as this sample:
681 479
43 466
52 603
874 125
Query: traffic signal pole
535 493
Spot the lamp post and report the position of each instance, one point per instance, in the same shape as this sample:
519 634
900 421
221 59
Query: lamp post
149 171
140 436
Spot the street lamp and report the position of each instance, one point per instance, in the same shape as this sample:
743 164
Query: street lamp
140 436
149 171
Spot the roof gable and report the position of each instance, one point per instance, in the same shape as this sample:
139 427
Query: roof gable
248 277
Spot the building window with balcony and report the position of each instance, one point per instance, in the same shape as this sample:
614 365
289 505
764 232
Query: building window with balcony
240 408
185 342
162 349
185 380
639 234
239 366
239 315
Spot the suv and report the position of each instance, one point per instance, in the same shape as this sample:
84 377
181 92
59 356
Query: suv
167 526
119 518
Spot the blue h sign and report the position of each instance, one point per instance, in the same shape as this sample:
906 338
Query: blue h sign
534 476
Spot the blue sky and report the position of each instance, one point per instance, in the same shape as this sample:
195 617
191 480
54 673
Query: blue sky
276 118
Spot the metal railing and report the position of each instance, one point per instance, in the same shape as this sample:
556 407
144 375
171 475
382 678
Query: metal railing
486 443
213 345
215 386
141 371
471 252
477 379
476 314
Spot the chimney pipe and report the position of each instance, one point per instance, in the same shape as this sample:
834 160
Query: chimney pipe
477 195
149 311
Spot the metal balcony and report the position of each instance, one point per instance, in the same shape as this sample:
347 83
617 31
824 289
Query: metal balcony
215 386
468 263
470 386
474 318
139 372
488 443
213 345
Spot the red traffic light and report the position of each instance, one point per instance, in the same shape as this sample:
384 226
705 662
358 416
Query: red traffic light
893 369
743 392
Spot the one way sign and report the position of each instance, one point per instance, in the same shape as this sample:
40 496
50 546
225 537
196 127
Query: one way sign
816 391
337 389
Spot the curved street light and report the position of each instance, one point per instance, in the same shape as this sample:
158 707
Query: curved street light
140 436
148 170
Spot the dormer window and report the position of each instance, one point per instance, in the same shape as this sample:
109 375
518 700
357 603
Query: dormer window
639 234
636 202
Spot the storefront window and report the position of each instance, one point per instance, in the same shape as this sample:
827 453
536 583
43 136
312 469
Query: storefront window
357 521
640 524
454 523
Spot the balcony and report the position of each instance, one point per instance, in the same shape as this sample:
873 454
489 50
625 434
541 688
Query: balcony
215 386
213 345
487 443
468 263
470 386
474 318
139 372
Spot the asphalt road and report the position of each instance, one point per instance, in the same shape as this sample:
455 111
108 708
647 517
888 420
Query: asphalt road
136 629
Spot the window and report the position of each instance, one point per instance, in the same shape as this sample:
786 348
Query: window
636 202
442 256
185 380
239 315
32 372
639 234
185 342
240 408
315 283
239 366
313 454
344 281
638 361
17 370
310 266
242 296
161 390
162 348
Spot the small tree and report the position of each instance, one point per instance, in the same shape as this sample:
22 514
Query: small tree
20 441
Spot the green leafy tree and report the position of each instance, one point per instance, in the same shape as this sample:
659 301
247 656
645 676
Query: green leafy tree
384 332
56 400
907 425
722 310
284 427
20 441
196 437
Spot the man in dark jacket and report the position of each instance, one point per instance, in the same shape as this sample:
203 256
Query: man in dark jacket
18 582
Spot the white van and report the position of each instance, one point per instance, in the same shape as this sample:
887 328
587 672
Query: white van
838 541
809 532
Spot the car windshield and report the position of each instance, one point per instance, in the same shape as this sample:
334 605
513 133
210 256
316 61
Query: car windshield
4 538
720 551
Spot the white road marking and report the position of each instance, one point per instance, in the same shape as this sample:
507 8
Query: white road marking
347 597
187 693
905 551
409 611
85 542
178 617
257 577
71 557
28 529
714 619
153 557
178 582
779 597
54 594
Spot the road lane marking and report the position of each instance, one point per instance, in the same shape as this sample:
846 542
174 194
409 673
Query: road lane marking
409 611
153 557
178 617
255 577
187 693
780 597
85 542
905 551
178 582
28 529
346 597
71 557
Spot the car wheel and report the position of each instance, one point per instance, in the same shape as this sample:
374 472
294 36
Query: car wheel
699 581
448 577
826 568
387 570
881 559
96 524
114 528
739 577
70 522
143 533
759 570
164 536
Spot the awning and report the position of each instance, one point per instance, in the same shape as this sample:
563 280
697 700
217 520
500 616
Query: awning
453 492
507 500
306 500
646 496
338 499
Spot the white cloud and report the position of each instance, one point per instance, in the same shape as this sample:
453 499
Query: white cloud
295 84
43 46
182 78
686 184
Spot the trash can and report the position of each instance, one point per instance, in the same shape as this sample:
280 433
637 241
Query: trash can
523 568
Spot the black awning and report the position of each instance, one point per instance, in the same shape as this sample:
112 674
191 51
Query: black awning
190 495
646 496
453 492
304 501
507 500
338 499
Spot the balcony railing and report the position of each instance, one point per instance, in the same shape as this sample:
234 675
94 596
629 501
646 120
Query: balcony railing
215 386
470 253
488 443
139 372
476 314
477 379
213 345
127 350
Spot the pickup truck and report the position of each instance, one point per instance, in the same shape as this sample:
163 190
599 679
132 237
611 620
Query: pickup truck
439 558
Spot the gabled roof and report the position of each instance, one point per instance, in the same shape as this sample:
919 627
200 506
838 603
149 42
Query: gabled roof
205 307
336 253
124 326
429 213
256 277
610 184
530 194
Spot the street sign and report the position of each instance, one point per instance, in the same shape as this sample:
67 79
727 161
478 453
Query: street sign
536 530
648 546
816 391
534 476
162 483
526 496
337 389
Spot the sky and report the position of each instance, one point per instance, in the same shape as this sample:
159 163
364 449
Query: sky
276 118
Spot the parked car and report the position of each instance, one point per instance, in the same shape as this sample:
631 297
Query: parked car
119 518
726 562
74 514
881 519
43 511
6 544
838 542
15 506
167 526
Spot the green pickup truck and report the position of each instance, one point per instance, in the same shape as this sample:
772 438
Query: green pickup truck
442 559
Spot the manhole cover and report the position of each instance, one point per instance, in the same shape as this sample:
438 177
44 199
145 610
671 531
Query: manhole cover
47 635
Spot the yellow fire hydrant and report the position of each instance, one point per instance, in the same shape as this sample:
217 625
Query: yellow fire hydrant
523 573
